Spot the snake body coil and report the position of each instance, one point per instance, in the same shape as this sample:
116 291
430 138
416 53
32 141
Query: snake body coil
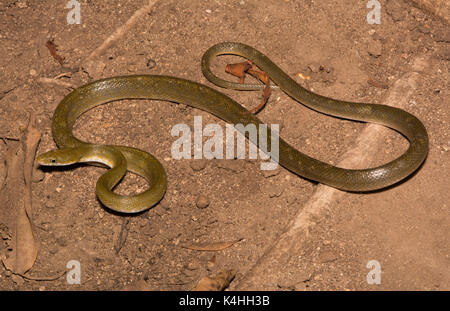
122 158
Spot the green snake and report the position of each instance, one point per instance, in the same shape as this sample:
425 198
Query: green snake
157 87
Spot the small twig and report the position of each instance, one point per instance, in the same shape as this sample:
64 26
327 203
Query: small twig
9 138
41 278
57 82
122 30
123 234
64 74
3 93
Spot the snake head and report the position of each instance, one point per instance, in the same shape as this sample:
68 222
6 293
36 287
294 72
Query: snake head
58 157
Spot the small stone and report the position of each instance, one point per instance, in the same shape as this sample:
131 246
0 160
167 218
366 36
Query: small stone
290 199
314 67
198 165
22 5
193 265
273 189
61 241
374 48
202 201
50 204
208 11
53 250
33 72
132 68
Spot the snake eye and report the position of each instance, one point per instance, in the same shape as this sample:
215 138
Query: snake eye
53 160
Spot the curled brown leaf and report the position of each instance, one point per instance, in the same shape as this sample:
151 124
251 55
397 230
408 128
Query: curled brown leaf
53 49
238 70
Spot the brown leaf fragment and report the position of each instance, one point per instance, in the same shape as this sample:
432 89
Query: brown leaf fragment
218 282
53 49
267 91
215 246
260 75
16 201
238 70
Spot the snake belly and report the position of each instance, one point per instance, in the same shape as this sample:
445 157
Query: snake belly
166 88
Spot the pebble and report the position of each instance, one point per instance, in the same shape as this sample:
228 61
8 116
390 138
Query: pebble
290 199
61 241
273 189
22 5
132 68
33 72
314 67
202 201
53 250
197 165
374 48
50 204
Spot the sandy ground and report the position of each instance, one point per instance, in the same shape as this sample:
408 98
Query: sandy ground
405 228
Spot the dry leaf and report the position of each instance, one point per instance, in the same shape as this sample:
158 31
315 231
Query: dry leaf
267 91
238 70
218 282
215 246
16 199
260 75
53 49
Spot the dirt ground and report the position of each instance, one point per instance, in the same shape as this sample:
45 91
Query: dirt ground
405 228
